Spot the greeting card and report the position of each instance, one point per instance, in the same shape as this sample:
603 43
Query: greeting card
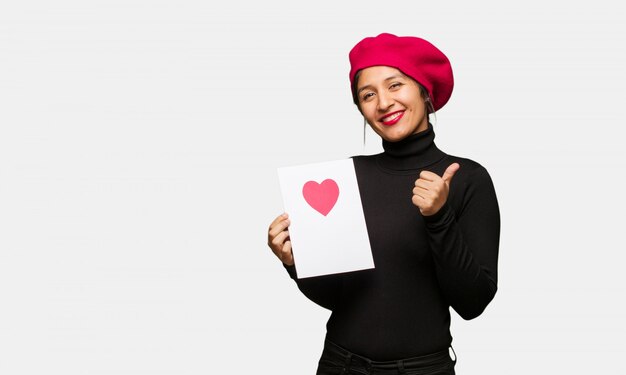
327 232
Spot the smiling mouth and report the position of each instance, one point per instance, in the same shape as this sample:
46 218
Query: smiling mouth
392 118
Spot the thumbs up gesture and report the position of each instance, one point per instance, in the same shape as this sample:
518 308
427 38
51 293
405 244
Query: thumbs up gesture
431 191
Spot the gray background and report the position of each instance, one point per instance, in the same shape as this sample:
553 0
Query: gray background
139 142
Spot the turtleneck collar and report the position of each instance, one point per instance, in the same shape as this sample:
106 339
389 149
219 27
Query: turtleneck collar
411 153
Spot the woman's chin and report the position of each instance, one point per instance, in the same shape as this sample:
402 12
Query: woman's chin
393 136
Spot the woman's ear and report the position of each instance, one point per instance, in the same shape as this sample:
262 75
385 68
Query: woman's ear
429 105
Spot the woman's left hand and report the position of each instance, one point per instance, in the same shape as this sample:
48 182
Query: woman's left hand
431 191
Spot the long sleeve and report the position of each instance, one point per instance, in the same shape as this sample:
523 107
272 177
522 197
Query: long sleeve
465 248
323 290
424 264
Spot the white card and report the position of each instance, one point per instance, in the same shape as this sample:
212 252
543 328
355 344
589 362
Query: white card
327 230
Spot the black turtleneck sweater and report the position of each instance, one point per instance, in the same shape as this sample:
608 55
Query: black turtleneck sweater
424 264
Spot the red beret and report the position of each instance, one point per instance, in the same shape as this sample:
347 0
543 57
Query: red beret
415 57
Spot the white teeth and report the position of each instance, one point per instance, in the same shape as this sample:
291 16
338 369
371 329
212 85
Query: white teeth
392 117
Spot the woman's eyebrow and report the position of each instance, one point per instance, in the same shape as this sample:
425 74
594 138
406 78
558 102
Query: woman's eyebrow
395 76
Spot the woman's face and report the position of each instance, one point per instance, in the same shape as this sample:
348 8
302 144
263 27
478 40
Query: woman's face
391 103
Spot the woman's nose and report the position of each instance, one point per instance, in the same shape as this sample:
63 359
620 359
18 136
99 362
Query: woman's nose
384 101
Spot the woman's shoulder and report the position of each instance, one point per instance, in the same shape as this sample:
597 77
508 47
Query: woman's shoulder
364 158
468 163
470 185
470 170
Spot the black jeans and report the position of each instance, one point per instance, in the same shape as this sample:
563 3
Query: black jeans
336 360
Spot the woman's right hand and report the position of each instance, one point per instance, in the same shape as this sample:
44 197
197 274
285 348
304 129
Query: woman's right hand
278 239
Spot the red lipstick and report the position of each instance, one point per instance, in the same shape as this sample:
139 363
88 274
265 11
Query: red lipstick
393 117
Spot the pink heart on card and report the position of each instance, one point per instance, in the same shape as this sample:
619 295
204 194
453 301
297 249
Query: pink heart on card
322 197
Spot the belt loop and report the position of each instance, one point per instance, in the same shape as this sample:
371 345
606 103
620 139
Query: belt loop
346 366
453 352
401 367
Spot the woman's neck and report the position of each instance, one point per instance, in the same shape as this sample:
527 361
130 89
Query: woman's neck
414 152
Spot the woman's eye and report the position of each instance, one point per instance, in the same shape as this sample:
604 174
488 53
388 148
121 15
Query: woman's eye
368 95
394 85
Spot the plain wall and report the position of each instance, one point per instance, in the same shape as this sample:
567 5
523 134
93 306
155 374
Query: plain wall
139 142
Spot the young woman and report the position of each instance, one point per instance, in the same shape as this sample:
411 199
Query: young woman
432 218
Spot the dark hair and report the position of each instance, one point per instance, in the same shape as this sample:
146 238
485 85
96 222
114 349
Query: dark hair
423 93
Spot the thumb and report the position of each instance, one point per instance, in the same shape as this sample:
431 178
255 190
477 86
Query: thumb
450 171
